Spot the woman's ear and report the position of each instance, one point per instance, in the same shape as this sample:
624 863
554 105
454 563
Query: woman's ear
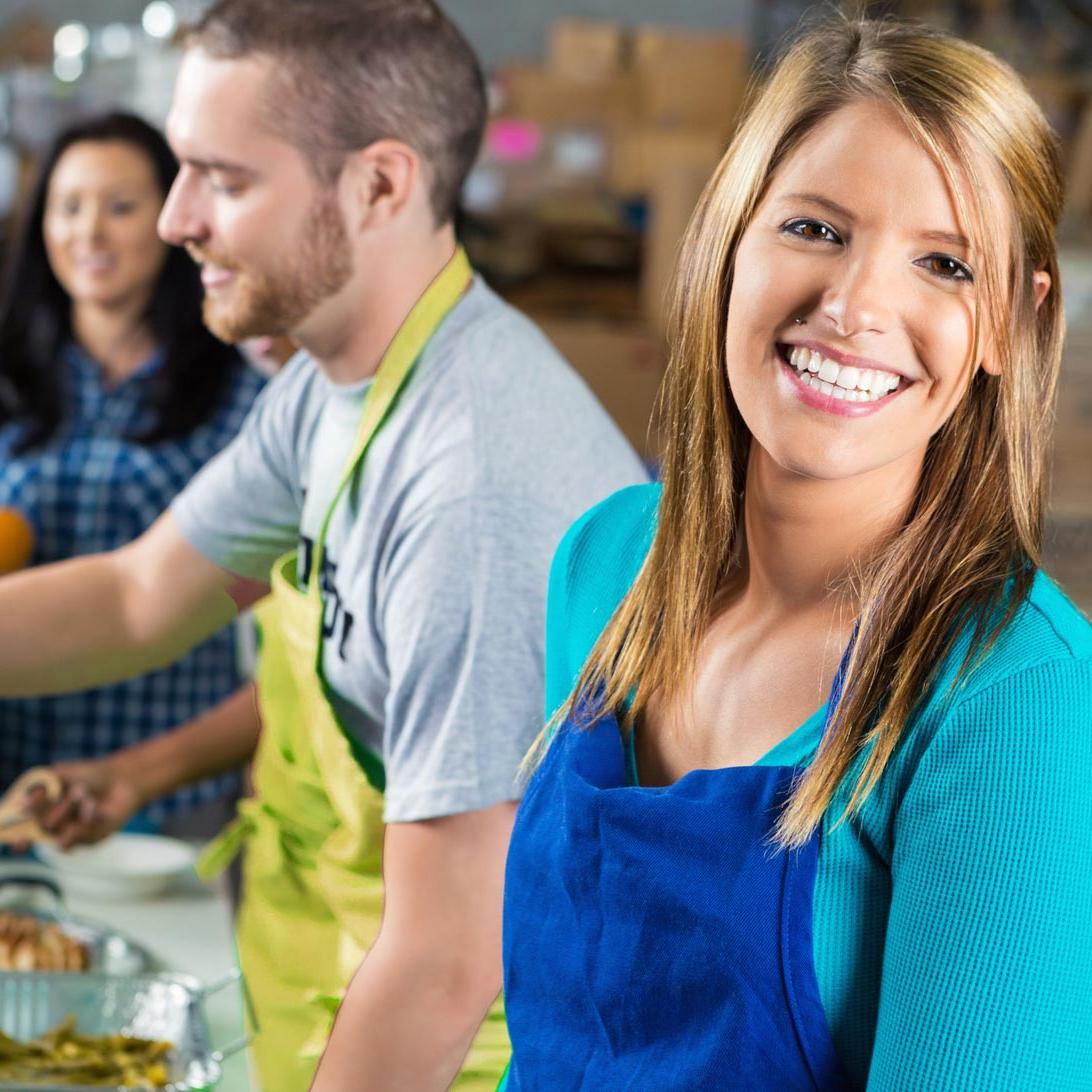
1040 281
1040 285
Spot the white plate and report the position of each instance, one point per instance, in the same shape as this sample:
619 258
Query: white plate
123 866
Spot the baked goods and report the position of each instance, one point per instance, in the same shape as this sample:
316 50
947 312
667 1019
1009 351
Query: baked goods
30 944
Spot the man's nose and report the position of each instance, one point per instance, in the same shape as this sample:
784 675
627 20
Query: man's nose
179 219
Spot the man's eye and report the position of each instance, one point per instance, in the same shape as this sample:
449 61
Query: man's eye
812 230
947 267
221 186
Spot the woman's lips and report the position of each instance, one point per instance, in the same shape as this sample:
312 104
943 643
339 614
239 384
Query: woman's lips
831 403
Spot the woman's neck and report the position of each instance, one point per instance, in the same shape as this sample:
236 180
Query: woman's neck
118 338
804 536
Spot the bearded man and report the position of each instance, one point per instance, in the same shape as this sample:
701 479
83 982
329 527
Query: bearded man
401 486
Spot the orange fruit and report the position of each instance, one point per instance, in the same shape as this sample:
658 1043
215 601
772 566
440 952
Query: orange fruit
16 540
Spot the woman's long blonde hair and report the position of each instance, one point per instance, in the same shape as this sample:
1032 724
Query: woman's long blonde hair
967 550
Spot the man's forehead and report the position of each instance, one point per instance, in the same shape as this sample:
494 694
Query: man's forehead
216 104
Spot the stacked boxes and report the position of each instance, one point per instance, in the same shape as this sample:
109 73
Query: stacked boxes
629 120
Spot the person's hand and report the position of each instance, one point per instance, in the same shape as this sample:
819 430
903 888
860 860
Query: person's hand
97 800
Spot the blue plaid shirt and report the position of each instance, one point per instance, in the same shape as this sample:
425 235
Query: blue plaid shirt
90 489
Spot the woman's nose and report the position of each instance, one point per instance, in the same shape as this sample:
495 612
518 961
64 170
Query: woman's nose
862 296
90 222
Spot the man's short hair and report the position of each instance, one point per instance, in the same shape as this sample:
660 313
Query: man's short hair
350 72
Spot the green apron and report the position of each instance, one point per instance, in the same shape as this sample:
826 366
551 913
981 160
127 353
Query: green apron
312 896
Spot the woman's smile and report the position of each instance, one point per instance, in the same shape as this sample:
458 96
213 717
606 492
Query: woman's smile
825 383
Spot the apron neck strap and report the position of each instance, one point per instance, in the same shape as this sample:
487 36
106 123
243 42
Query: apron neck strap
394 368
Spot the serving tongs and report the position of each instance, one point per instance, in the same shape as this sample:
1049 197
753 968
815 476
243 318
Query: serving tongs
16 826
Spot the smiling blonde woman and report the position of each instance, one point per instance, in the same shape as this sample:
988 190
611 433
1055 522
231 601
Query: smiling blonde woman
816 811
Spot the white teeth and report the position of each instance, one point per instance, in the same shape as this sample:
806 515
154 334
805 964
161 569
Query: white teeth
842 381
847 376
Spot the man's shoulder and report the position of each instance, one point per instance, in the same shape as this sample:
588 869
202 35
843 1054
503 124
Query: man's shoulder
497 409
491 333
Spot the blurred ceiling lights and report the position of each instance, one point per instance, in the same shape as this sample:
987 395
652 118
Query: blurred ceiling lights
159 19
74 44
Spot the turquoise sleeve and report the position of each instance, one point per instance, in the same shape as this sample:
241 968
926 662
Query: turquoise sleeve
987 966
592 570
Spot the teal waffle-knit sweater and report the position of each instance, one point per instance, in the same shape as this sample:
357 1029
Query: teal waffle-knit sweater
953 915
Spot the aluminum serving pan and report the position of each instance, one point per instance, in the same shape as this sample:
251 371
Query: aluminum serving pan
162 1006
107 950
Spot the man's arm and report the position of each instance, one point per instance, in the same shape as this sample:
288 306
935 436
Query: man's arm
412 1008
98 619
102 795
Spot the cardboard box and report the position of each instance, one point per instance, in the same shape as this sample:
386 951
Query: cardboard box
1067 546
690 79
26 39
586 49
538 94
676 183
1079 168
635 155
623 365
1060 96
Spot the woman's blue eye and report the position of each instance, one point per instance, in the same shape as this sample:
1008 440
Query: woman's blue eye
951 269
812 230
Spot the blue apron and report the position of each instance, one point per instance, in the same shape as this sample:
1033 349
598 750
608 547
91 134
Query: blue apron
654 938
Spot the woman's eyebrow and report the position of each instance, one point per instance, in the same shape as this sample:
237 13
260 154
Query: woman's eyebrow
110 189
947 237
819 199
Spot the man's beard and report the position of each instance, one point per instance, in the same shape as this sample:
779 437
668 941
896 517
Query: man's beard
273 303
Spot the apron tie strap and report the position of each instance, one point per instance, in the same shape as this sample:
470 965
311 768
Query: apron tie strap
217 856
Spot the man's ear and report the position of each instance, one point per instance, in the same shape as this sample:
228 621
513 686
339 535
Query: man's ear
382 178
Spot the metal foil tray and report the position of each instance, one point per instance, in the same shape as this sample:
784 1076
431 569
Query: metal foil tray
108 951
164 1006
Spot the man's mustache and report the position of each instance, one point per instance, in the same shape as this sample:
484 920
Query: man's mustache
201 256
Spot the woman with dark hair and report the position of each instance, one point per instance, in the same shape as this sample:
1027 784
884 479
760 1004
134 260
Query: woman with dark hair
112 395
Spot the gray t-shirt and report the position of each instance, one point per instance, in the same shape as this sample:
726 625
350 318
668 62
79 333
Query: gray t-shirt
438 553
